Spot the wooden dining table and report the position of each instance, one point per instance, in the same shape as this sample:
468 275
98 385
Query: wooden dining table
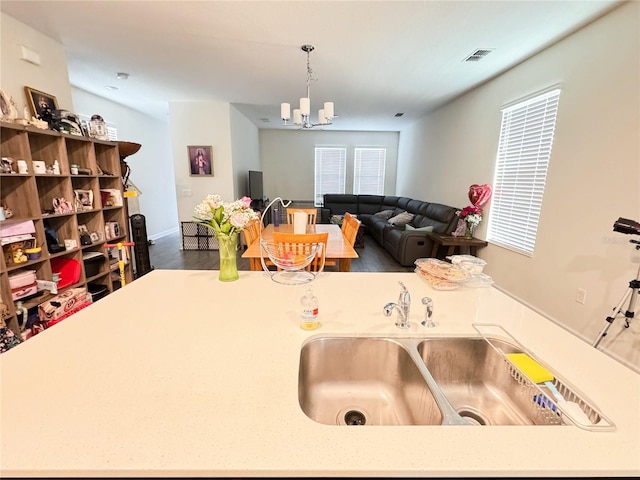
338 248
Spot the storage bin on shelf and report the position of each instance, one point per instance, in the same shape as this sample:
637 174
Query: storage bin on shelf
92 263
63 305
14 248
23 284
33 253
97 291
69 270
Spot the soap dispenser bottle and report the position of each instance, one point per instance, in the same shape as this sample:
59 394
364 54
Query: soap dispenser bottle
309 316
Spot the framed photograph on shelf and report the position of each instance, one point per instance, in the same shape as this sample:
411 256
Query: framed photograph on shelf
200 161
83 200
40 102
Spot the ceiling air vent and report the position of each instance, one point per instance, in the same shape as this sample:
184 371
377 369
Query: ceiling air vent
265 120
478 55
398 114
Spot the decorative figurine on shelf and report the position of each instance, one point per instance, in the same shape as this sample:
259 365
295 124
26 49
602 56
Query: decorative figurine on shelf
60 206
7 165
19 256
8 213
8 108
25 117
47 115
41 124
98 128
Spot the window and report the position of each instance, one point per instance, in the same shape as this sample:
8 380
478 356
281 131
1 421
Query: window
368 170
330 169
526 137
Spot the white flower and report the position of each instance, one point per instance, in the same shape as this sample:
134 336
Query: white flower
203 211
224 218
473 219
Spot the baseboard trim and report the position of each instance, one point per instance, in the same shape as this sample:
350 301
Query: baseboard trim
164 233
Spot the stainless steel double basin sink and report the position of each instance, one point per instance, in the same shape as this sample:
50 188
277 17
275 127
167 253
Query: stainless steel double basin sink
411 381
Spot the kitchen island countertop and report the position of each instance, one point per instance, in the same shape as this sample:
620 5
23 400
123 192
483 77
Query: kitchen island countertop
178 374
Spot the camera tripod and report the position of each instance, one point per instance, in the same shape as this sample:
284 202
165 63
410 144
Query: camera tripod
629 313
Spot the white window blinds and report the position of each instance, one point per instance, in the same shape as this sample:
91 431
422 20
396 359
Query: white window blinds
368 170
330 166
524 149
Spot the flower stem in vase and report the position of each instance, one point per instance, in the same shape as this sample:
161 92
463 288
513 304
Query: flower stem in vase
228 266
470 228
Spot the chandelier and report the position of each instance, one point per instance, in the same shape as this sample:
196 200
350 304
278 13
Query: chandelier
302 115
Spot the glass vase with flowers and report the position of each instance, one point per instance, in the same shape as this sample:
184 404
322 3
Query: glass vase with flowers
226 220
472 216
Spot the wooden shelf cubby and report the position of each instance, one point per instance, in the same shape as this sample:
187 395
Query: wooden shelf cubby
30 197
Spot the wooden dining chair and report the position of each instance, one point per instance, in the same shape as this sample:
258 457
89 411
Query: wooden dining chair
311 214
252 231
252 234
350 226
302 244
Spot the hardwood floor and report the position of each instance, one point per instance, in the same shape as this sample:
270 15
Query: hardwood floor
165 254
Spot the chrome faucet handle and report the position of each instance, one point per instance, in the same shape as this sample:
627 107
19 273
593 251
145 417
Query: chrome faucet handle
401 319
403 307
404 299
428 322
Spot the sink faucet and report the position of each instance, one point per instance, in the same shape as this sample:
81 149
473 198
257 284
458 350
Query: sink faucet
402 307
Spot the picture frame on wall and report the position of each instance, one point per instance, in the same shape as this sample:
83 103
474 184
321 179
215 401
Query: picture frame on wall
40 102
200 161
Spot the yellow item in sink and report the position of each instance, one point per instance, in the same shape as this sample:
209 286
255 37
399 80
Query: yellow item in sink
532 369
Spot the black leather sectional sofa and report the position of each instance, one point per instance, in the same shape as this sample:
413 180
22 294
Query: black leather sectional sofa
405 244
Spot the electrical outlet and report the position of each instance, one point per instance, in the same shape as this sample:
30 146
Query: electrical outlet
186 192
581 296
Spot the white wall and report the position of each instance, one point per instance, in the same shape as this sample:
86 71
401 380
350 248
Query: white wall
245 150
594 175
201 123
51 76
288 159
151 167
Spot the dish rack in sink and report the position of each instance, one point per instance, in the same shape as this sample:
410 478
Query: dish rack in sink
543 399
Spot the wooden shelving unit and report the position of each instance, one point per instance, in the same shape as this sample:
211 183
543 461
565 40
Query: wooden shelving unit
30 196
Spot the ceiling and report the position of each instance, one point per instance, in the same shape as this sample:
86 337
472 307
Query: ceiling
373 59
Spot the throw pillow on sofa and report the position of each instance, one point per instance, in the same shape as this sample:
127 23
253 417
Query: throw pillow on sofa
428 228
386 214
401 219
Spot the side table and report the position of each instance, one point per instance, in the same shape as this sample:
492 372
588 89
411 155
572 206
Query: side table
454 243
